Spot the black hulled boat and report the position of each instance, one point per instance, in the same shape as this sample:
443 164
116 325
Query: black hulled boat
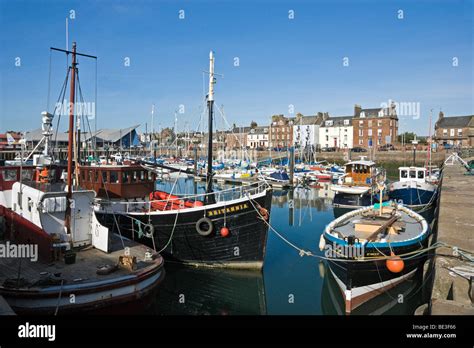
217 229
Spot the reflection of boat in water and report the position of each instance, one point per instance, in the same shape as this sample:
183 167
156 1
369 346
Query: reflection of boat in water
401 300
196 291
363 246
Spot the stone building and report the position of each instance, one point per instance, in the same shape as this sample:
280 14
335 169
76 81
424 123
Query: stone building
454 130
281 132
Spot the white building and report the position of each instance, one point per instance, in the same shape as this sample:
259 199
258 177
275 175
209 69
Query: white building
336 132
258 137
306 131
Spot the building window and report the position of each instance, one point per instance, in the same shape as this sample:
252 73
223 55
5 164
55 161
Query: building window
361 123
327 137
370 123
361 141
391 123
460 132
451 132
379 123
445 132
362 114
361 132
346 122
390 132
379 132
370 132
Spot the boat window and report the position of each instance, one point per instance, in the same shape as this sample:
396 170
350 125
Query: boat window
125 177
421 174
27 174
104 177
83 175
52 174
403 174
114 177
9 175
134 176
412 174
365 169
91 176
142 175
96 176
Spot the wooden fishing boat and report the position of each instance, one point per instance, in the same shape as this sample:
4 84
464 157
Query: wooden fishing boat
373 249
357 187
61 259
219 229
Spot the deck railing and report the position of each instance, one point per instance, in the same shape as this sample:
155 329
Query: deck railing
219 196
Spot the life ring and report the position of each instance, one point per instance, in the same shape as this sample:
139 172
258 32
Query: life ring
149 230
201 226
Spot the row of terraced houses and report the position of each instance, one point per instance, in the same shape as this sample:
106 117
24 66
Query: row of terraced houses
366 127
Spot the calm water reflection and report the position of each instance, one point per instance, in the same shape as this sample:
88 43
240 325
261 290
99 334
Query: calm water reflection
289 283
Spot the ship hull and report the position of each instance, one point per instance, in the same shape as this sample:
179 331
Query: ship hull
175 233
360 282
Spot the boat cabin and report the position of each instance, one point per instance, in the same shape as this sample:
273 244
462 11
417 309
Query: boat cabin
117 181
359 173
412 174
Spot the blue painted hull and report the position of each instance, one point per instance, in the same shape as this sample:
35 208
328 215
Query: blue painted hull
412 196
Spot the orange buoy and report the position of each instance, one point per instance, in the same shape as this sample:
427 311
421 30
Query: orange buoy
224 231
395 264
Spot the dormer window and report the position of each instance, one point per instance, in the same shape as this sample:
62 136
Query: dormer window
381 113
328 123
346 122
362 114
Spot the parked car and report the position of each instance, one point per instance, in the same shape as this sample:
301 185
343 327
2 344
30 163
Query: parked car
328 149
358 149
387 147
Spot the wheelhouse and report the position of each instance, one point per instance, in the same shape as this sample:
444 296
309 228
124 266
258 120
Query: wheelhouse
117 181
412 174
359 173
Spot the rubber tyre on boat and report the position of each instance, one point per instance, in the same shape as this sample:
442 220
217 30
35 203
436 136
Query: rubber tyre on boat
204 226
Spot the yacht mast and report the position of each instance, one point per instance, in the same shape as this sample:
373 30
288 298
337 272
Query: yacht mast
210 105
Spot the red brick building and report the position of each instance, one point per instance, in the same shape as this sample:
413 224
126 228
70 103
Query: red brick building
281 131
374 127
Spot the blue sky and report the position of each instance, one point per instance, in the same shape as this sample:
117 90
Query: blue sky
282 61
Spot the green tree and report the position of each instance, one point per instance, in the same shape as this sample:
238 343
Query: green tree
406 137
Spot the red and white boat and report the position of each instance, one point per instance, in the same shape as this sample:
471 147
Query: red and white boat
59 258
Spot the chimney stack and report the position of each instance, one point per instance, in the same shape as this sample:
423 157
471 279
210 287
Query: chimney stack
357 110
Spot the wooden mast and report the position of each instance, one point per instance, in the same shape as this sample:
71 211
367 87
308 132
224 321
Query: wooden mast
72 99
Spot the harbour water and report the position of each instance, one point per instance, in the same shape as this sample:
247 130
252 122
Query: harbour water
290 284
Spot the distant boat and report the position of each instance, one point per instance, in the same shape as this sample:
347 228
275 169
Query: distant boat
366 249
413 188
357 187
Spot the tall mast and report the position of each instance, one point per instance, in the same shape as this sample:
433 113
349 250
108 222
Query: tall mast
210 105
72 99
